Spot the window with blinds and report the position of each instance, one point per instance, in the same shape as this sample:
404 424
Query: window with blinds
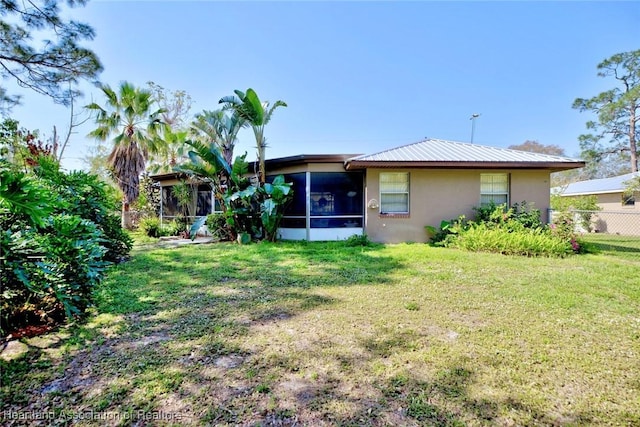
394 192
494 187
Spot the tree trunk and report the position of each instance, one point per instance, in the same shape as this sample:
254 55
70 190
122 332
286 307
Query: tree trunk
126 223
261 154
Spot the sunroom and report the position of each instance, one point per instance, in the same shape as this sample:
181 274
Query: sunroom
328 202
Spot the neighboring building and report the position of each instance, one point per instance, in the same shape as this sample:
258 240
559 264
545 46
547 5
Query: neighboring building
620 210
392 195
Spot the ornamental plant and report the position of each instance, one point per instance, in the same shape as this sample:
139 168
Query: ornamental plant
58 235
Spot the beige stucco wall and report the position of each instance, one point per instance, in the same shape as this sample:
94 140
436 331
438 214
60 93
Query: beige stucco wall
614 218
613 202
439 194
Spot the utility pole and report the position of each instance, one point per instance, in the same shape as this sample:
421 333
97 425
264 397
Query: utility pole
473 118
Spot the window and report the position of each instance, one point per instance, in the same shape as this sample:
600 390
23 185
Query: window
394 192
628 200
494 187
336 199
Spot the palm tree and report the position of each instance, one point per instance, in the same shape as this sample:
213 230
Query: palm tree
220 128
127 115
257 114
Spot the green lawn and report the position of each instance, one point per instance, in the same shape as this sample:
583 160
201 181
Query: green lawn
322 334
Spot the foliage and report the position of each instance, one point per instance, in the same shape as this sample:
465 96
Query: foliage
248 107
536 147
632 186
58 235
152 227
185 193
128 115
219 127
440 236
46 66
256 209
567 209
248 208
73 262
523 213
512 238
148 203
86 196
276 195
22 197
175 105
616 130
514 231
358 240
217 225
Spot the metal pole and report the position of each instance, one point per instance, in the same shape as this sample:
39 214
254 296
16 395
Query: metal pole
473 118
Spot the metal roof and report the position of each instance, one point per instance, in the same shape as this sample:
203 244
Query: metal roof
615 184
442 153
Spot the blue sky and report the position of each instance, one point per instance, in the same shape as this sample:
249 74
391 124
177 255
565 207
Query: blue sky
361 77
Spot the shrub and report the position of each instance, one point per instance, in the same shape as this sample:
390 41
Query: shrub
86 196
58 235
580 207
358 240
448 230
523 213
513 240
217 225
150 226
517 230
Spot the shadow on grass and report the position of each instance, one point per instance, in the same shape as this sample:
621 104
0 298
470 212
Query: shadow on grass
181 332
612 244
177 313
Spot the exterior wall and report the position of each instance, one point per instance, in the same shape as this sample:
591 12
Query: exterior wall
613 202
444 194
614 218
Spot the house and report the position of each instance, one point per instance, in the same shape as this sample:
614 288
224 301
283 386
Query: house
392 195
203 201
620 210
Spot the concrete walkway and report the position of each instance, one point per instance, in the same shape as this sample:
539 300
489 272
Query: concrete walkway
173 242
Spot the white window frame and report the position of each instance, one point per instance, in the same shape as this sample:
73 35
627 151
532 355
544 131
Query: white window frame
383 193
493 192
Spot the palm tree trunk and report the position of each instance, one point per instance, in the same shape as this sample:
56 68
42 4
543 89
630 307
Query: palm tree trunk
126 223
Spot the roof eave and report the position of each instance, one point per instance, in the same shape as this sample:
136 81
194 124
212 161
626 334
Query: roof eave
552 166
308 158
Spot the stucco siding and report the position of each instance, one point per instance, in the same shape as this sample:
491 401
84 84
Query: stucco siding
613 202
532 186
436 195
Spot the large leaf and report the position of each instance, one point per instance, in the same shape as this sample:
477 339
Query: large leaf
193 231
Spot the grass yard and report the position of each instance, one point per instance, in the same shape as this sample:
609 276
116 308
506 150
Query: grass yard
321 334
